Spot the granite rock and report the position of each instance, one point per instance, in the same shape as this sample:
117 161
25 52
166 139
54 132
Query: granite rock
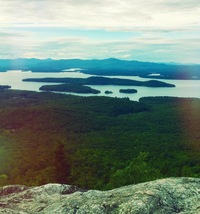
165 196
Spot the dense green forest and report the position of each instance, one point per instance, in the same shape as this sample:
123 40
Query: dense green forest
96 142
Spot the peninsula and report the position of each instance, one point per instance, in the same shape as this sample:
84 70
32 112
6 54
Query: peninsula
4 87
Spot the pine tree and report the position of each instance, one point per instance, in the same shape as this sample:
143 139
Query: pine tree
61 164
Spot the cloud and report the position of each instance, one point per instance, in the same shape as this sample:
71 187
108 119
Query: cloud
179 5
147 47
96 14
157 30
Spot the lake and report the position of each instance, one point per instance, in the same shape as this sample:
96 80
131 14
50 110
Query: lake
184 88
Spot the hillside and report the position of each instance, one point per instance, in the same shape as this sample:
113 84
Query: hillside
96 142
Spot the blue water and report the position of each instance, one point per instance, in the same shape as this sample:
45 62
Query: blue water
184 88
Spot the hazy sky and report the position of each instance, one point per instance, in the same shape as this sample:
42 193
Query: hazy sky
146 30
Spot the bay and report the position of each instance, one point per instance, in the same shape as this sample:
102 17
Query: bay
184 88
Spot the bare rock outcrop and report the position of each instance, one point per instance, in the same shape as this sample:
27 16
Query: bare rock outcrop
165 196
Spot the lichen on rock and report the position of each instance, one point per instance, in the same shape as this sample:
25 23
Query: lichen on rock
165 196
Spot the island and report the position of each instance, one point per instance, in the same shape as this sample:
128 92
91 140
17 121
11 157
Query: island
128 91
96 80
108 92
70 87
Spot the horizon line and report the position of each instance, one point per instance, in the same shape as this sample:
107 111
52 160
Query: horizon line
103 59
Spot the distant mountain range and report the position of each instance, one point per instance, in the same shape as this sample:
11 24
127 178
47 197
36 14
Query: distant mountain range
108 67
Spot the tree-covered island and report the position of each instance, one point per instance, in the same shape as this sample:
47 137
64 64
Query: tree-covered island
70 87
108 92
95 80
128 91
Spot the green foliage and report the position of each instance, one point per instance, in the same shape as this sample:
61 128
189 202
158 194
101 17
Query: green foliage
61 163
3 179
137 170
96 142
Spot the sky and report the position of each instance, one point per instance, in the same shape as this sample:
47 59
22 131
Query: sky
154 30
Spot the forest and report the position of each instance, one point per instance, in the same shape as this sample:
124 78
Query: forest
96 142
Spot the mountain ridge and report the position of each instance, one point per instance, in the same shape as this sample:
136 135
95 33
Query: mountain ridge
109 66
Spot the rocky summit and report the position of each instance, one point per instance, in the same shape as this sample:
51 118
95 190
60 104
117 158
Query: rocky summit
165 196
